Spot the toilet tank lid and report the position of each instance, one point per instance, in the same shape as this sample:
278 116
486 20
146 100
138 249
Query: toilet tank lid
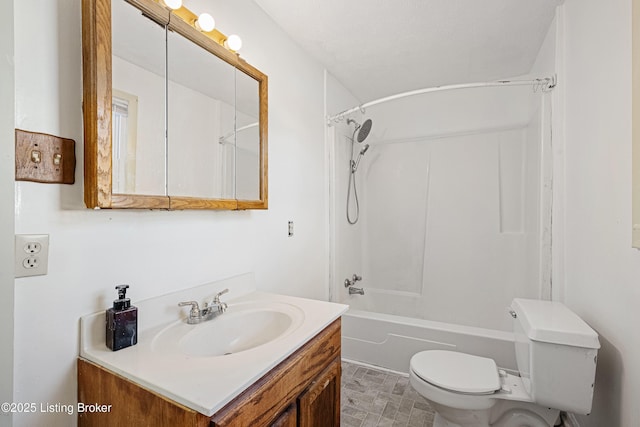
553 322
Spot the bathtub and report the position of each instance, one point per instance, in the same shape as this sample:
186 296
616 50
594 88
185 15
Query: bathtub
389 341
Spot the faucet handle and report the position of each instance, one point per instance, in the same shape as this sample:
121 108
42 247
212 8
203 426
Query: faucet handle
216 297
356 278
222 306
195 309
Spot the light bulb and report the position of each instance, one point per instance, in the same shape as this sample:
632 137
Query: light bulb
173 4
233 42
205 22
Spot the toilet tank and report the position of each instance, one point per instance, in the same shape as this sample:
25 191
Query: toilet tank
556 352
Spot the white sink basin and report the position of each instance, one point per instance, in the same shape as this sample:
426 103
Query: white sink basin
244 326
180 361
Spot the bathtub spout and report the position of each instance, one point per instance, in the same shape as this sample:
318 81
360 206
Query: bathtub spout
354 290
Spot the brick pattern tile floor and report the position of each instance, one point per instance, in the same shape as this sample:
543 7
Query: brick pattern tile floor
372 397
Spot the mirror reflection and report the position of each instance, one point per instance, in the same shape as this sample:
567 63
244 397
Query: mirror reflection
138 103
173 118
201 106
247 137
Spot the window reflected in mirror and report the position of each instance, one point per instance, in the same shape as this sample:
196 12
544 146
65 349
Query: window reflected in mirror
124 111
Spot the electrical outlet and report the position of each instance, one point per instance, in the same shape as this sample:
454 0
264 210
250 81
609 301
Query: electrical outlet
32 247
31 262
32 254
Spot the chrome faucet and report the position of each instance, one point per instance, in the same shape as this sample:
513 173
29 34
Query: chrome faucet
354 290
211 310
348 283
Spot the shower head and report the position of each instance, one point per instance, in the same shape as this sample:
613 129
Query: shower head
362 129
356 163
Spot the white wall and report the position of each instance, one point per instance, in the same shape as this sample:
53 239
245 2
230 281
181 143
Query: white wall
602 271
6 210
545 63
154 251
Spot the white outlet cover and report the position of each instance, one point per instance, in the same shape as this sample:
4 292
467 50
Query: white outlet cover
32 254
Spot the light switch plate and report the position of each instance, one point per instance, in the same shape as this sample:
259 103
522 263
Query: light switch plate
32 254
44 158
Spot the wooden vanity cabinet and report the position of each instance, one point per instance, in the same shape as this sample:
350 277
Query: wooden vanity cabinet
307 378
289 418
303 390
319 405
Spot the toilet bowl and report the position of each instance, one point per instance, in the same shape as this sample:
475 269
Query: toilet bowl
470 391
556 357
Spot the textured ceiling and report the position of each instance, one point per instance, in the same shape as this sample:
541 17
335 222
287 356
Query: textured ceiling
382 47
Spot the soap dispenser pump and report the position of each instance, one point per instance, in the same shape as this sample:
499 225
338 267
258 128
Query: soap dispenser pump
121 322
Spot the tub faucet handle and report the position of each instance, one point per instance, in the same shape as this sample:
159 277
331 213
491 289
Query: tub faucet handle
350 282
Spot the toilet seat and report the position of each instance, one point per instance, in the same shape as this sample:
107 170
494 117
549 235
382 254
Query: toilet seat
457 372
467 390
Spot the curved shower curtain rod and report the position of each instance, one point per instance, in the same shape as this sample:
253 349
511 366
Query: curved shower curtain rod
545 84
224 138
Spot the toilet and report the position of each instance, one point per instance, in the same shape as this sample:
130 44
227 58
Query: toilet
556 359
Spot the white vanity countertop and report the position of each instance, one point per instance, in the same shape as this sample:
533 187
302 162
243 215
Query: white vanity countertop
204 384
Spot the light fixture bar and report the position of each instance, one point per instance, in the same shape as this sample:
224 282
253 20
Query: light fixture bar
191 18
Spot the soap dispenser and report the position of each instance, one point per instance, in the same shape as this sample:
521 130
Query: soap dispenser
122 322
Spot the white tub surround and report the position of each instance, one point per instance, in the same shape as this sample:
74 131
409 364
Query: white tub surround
204 384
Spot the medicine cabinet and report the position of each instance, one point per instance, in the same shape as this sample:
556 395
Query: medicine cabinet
172 119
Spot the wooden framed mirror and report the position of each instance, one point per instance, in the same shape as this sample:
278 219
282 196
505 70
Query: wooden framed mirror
172 119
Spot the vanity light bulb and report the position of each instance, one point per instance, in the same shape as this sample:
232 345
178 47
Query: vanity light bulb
205 22
173 4
233 42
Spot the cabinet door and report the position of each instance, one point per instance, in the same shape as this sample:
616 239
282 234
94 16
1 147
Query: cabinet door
288 418
319 405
